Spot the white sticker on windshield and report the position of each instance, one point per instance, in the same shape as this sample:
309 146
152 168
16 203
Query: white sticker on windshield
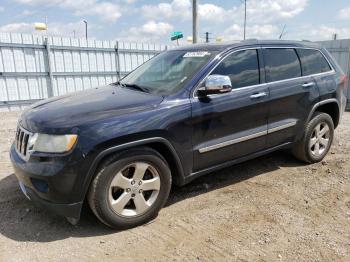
196 54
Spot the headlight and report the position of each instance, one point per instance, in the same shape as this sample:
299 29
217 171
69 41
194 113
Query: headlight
52 143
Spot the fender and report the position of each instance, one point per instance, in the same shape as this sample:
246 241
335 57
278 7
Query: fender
120 147
323 102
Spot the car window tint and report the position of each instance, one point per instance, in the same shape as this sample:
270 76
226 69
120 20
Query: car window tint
313 62
281 64
242 67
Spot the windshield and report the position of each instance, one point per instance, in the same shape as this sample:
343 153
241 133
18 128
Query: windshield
167 72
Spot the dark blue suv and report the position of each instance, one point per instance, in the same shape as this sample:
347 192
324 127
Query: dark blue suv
183 114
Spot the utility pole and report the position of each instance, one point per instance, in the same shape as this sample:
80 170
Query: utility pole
86 28
194 21
245 18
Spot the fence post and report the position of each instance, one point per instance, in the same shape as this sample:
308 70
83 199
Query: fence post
348 74
49 70
117 59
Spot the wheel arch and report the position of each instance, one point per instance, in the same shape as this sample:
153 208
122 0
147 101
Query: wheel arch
160 144
329 106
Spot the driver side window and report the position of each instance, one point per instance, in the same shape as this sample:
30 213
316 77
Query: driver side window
242 67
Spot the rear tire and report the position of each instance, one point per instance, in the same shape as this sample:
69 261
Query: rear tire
317 139
130 188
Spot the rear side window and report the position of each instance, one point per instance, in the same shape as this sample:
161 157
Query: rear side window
281 64
242 67
313 62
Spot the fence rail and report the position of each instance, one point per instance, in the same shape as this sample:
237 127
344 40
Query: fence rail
340 50
36 67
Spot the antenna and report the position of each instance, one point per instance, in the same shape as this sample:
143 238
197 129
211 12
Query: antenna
283 32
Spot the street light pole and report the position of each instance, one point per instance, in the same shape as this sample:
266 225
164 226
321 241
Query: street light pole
86 27
194 21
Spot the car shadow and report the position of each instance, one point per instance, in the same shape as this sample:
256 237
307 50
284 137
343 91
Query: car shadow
234 174
22 221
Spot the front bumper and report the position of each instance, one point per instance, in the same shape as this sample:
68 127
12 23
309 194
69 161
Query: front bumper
67 210
53 183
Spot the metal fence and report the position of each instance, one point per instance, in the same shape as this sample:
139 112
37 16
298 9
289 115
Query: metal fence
340 50
35 67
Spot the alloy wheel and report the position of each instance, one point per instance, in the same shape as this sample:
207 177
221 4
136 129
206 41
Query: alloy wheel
134 189
320 139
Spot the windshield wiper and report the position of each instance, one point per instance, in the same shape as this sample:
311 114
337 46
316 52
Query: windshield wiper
135 86
118 83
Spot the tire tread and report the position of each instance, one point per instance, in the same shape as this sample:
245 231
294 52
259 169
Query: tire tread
299 149
92 196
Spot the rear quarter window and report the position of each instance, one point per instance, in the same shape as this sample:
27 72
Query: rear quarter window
312 62
281 64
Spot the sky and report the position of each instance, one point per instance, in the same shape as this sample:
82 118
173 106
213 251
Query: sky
153 21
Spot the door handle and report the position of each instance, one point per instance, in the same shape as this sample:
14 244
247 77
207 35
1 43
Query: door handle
258 95
310 84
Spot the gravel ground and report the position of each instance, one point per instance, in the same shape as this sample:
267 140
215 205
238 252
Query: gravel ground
273 208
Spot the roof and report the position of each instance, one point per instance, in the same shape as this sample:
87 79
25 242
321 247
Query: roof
230 45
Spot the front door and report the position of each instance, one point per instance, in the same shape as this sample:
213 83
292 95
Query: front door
231 125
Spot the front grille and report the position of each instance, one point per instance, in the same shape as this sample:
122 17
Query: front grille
21 142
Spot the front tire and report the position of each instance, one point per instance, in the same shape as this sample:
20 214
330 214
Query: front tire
130 188
317 139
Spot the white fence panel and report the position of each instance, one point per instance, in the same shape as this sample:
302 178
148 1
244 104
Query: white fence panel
32 67
340 50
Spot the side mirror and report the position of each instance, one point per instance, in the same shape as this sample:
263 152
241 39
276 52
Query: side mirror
215 84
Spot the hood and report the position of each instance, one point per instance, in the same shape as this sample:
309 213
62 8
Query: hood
80 108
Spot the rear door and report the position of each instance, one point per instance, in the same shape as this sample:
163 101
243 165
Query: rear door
314 63
291 94
231 125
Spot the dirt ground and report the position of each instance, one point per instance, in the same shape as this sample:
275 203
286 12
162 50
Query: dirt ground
273 208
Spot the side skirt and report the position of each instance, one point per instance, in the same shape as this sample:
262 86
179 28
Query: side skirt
202 172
